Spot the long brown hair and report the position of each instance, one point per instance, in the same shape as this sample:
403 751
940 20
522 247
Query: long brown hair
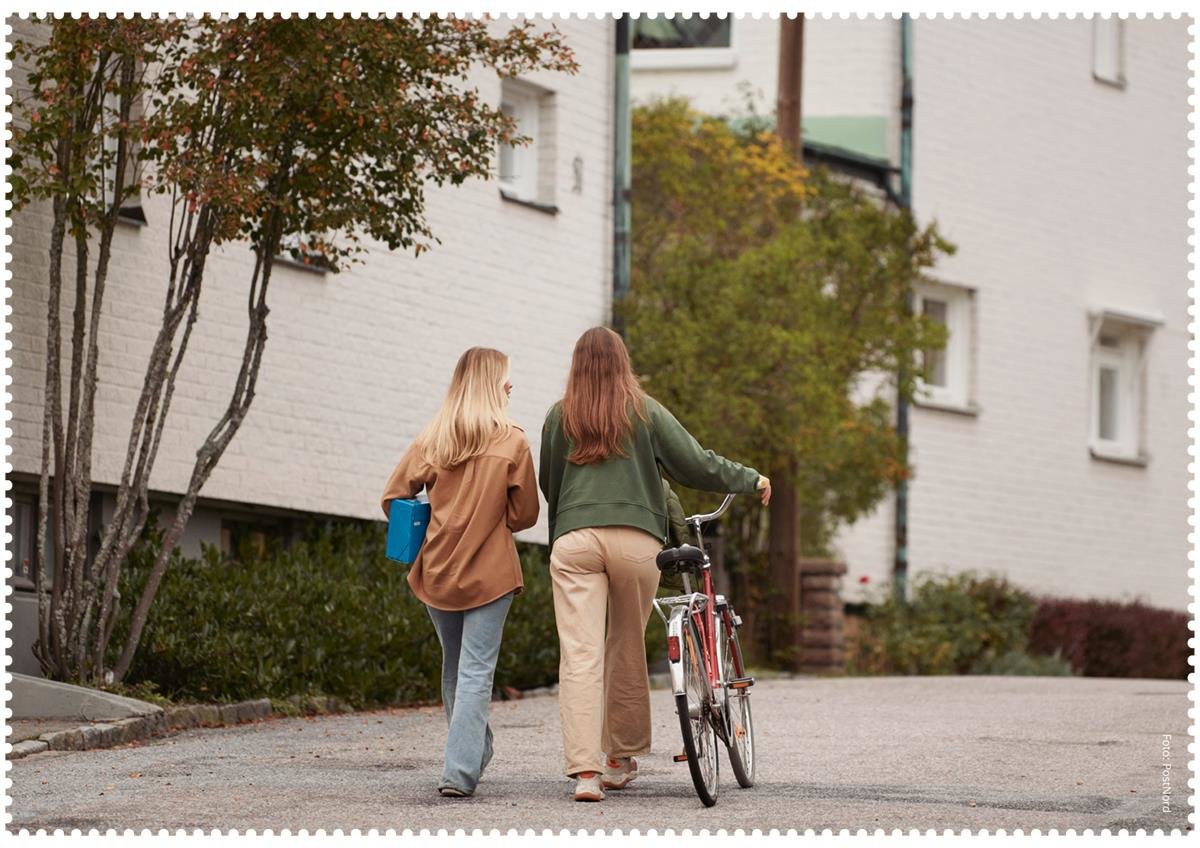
601 388
474 412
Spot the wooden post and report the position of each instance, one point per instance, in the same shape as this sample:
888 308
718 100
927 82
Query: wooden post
784 543
791 77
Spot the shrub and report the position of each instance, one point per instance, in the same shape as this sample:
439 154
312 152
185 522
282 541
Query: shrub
1023 663
1113 639
950 625
329 615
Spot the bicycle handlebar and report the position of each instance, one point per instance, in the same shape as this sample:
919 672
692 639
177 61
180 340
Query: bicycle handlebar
700 519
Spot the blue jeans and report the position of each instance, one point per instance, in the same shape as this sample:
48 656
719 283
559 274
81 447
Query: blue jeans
470 647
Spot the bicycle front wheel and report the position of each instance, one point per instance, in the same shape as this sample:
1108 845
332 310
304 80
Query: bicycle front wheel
741 722
695 718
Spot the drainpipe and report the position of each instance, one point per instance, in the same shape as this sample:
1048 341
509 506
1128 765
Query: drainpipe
900 564
622 153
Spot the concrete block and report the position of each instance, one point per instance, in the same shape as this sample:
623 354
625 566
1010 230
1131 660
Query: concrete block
181 718
29 746
64 740
207 715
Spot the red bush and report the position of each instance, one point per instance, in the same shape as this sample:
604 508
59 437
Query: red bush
1112 639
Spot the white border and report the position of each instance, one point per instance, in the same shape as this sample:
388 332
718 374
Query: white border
543 9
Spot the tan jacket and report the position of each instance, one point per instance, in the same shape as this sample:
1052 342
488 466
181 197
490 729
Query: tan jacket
469 558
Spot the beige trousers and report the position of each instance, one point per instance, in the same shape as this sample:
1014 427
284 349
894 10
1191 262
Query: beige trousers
603 577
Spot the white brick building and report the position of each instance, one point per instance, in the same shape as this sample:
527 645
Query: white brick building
1054 154
358 361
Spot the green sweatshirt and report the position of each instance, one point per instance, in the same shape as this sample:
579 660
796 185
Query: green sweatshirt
628 490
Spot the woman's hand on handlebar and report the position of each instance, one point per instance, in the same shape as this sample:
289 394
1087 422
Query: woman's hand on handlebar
764 486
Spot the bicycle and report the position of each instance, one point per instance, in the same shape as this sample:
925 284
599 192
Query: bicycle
708 674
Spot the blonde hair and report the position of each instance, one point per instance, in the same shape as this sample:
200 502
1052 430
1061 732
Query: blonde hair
474 413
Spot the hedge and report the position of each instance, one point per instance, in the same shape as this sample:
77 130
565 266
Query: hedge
1112 639
328 615
971 624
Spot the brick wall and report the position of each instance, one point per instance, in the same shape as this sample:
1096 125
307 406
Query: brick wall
358 361
1061 194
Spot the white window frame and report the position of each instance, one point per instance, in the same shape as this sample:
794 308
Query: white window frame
523 103
1127 357
686 58
955 395
1108 50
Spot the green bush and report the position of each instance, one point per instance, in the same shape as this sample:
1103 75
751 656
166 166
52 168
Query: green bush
951 625
1023 663
328 615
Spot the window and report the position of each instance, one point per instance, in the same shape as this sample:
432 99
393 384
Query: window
306 253
131 199
1118 346
672 32
250 537
22 531
947 381
676 41
526 171
1108 49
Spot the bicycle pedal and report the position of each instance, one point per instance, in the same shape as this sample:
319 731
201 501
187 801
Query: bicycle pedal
741 683
680 758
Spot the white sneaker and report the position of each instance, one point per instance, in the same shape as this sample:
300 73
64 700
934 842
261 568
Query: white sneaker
587 787
618 772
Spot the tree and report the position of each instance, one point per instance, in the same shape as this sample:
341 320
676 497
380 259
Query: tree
768 311
322 133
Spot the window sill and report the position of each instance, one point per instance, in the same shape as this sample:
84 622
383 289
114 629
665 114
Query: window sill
301 266
682 58
545 208
132 216
1102 455
1111 83
22 584
971 410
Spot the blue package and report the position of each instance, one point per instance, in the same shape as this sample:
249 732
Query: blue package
407 522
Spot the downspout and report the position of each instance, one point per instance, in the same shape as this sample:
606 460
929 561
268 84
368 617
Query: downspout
622 154
900 564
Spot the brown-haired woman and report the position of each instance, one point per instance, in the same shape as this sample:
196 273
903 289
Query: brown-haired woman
602 447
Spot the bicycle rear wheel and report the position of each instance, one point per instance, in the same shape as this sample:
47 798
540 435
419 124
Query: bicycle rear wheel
695 718
737 703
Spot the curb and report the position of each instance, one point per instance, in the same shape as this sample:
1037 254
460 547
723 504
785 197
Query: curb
89 737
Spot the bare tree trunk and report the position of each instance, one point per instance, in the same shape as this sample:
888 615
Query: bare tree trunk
215 444
47 648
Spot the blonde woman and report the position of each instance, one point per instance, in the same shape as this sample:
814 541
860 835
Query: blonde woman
476 466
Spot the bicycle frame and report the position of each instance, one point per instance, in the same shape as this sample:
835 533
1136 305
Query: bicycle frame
701 608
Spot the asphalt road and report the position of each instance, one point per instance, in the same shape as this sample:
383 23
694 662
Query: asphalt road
873 753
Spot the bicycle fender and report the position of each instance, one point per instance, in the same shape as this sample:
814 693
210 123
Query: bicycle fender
675 625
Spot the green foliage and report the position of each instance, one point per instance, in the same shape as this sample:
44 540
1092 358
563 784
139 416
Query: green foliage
952 624
329 615
145 690
764 303
1024 663
529 652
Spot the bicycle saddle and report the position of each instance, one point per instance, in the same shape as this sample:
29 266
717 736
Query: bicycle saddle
683 558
